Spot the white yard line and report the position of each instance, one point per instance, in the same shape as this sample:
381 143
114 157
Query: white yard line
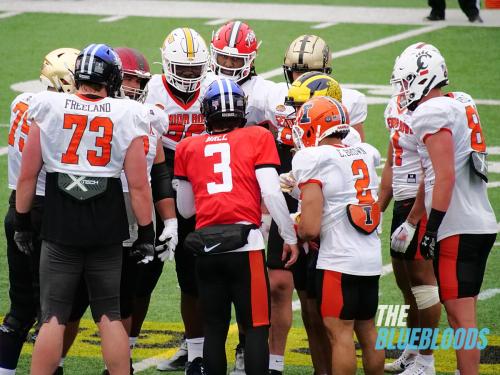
218 21
4 150
369 46
112 19
323 25
488 293
9 14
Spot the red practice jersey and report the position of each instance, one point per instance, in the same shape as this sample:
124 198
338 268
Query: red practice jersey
221 169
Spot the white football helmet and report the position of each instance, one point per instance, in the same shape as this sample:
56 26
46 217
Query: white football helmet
58 70
415 74
415 47
185 59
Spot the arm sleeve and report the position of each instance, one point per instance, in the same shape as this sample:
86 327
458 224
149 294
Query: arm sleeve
305 167
267 154
429 119
275 202
185 199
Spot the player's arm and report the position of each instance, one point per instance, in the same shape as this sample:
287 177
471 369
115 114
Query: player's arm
385 188
31 164
185 198
161 186
311 211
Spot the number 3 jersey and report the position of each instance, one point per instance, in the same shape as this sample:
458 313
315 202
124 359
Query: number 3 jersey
18 133
221 170
346 175
470 210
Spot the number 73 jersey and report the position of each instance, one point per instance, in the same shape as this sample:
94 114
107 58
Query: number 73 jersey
221 169
87 137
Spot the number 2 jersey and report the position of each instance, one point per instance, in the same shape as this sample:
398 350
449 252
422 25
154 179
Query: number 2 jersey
221 169
80 136
18 133
346 175
470 211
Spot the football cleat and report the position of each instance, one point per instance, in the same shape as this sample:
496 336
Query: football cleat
58 70
419 367
239 362
59 371
399 365
195 367
177 361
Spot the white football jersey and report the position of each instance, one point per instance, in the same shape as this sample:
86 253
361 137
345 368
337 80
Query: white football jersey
184 119
87 137
18 133
346 175
470 210
406 167
356 105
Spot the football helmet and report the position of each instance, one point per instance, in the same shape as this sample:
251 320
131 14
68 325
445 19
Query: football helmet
307 53
224 99
99 63
58 68
317 119
184 57
415 74
235 40
312 84
134 64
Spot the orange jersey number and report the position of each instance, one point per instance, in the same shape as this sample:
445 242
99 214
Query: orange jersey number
79 122
21 118
360 172
477 142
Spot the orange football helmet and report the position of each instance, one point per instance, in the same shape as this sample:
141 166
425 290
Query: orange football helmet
318 118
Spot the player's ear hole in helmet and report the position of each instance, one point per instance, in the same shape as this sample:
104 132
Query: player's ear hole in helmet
224 106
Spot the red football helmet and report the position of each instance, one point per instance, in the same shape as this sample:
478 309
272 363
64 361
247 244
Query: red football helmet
318 118
233 49
134 64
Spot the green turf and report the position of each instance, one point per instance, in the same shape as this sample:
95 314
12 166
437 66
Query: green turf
364 3
472 56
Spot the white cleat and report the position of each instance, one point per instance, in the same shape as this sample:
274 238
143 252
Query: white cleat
404 361
177 362
419 367
239 363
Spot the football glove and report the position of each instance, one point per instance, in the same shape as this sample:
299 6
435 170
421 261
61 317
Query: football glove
429 245
402 236
143 247
23 235
170 239
287 182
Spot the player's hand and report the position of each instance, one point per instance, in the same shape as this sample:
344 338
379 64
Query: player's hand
291 252
379 228
287 182
429 245
170 239
143 247
313 244
23 235
402 236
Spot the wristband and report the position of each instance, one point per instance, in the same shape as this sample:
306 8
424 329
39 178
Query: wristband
435 219
146 233
22 221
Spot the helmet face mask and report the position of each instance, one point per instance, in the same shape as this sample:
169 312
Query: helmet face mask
233 50
184 59
58 68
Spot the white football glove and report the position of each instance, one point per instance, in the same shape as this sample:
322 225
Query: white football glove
379 228
171 238
402 236
287 182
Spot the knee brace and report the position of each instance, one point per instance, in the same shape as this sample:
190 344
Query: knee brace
425 296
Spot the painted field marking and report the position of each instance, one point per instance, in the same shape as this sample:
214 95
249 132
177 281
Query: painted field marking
9 14
323 25
4 150
218 21
112 19
488 293
369 46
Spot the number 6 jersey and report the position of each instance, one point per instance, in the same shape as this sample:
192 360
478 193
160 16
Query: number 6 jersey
347 176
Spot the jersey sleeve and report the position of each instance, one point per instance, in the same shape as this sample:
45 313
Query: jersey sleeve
38 108
180 171
359 109
267 154
305 167
429 119
275 103
158 118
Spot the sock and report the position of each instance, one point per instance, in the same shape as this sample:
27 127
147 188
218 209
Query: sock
426 359
61 362
457 372
276 362
410 352
132 342
195 348
4 371
242 339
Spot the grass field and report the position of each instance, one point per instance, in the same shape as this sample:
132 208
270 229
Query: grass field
472 55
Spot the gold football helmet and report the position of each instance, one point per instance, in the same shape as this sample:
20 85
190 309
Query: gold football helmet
307 53
58 68
312 84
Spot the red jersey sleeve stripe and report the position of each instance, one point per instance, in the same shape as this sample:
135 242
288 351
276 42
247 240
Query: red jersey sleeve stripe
311 181
429 134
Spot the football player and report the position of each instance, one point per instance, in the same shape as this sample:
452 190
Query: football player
414 274
84 140
56 75
178 92
338 185
227 178
452 149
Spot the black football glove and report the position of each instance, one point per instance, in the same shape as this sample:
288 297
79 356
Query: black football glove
429 245
23 235
143 248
